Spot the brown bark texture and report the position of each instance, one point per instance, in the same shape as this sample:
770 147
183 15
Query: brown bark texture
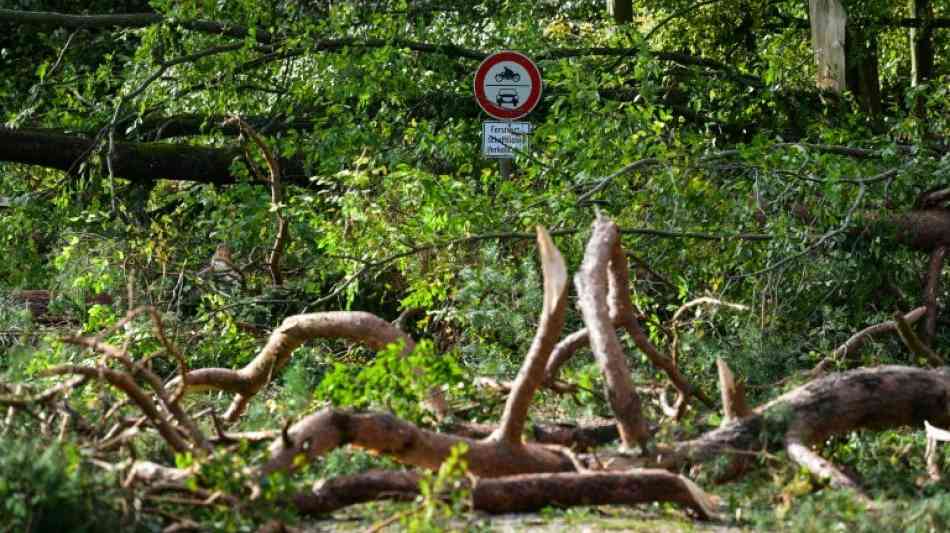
591 282
518 494
136 162
868 398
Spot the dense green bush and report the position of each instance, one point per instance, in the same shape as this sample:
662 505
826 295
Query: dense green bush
53 488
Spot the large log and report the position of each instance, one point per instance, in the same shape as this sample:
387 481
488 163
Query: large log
136 162
867 398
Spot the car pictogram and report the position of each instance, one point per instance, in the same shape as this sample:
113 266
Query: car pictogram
507 96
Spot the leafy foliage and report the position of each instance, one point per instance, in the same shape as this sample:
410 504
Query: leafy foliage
391 209
51 488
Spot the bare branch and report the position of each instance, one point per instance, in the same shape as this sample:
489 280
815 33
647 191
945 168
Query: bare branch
45 396
591 286
636 165
819 466
623 313
357 326
914 344
126 384
934 269
858 339
531 374
154 382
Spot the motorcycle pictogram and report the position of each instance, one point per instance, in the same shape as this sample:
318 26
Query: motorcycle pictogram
507 74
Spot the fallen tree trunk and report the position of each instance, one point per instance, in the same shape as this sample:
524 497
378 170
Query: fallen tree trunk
521 476
136 162
518 494
867 398
328 429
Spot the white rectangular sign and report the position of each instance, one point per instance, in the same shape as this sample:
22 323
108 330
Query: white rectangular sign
501 140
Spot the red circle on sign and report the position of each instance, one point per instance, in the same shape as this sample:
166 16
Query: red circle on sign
496 110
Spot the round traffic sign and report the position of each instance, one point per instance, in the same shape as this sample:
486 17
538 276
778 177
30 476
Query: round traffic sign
507 85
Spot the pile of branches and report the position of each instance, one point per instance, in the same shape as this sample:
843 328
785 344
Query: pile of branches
508 472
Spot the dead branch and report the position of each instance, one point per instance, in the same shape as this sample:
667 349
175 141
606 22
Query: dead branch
328 429
45 396
126 384
533 492
333 494
934 435
868 398
357 326
170 348
591 283
531 374
562 352
930 293
819 466
733 394
518 494
914 344
569 436
502 453
623 313
173 407
857 340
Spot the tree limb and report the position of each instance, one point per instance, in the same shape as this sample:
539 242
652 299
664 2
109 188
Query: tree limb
531 375
591 283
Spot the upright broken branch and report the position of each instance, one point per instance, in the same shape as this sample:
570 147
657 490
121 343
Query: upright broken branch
591 283
531 374
734 405
934 270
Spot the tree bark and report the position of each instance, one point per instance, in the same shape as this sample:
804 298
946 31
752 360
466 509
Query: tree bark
136 162
828 20
524 493
591 283
921 43
863 79
621 10
867 398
